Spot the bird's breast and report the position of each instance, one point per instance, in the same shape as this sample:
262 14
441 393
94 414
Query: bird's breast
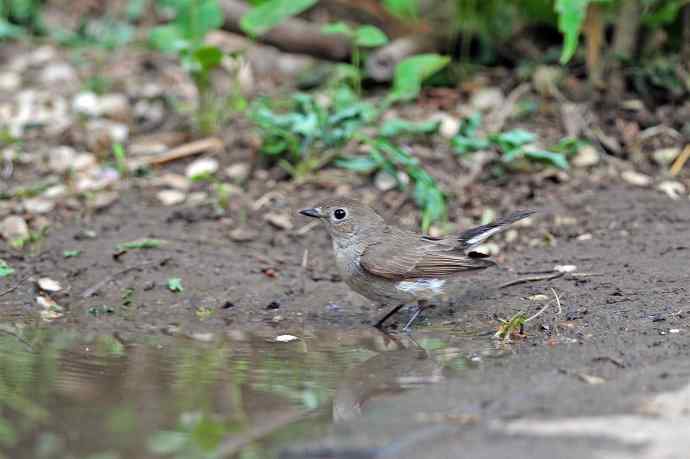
422 288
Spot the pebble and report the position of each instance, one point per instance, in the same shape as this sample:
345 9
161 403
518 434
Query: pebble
116 132
57 73
176 181
238 171
242 234
103 200
171 197
38 205
665 156
84 161
49 285
672 188
586 156
114 106
636 178
61 159
285 338
198 197
55 192
585 237
384 181
279 220
565 268
486 99
10 81
449 126
201 167
86 103
13 228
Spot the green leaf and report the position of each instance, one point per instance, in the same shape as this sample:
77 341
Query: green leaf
167 38
5 269
167 442
71 253
396 126
411 72
511 139
362 164
404 9
264 17
175 285
370 36
571 15
196 18
337 28
208 57
463 145
555 159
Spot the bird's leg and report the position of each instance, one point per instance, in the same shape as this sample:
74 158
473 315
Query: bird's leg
421 305
379 323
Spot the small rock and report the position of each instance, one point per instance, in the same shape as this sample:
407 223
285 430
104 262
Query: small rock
49 285
14 228
273 305
171 197
665 156
636 178
384 181
176 181
97 179
487 99
277 319
586 156
243 234
58 73
55 192
10 81
634 105
201 168
238 171
672 188
538 297
565 268
114 106
114 131
590 379
147 148
51 310
279 220
546 79
449 126
86 103
584 237
42 55
61 159
198 197
203 337
488 248
103 200
84 161
38 205
285 338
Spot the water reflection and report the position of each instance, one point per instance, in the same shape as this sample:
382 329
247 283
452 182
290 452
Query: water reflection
64 395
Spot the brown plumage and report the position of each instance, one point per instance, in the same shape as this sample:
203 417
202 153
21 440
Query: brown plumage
388 264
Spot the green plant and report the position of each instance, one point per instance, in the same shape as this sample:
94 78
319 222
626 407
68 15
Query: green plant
175 285
18 17
365 36
512 145
184 36
307 135
411 72
394 160
120 159
5 269
267 15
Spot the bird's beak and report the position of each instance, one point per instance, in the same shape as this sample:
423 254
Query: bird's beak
313 212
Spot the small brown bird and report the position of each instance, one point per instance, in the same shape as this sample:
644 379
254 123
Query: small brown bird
391 265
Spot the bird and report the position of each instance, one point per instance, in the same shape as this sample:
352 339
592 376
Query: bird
391 265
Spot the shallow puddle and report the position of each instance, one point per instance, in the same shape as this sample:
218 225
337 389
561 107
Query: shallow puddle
64 395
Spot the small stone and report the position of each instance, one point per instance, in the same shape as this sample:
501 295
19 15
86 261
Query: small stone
171 197
590 379
672 188
10 81
636 178
147 148
203 337
49 285
665 156
546 79
57 73
276 319
538 297
176 181
585 237
201 168
116 132
84 161
42 55
674 331
238 171
449 125
114 106
384 181
55 192
487 99
243 234
511 236
198 197
61 159
103 200
38 205
285 338
14 228
51 310
488 248
565 268
279 220
273 305
86 103
586 156
634 105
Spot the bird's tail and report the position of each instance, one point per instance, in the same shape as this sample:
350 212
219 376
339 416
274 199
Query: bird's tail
475 236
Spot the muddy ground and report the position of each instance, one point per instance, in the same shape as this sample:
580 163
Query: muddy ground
621 333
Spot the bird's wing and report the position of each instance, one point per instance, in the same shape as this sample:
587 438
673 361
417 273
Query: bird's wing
475 236
418 257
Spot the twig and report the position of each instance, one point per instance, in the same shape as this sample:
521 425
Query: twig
308 227
537 314
89 292
558 301
305 259
524 280
680 161
15 286
183 151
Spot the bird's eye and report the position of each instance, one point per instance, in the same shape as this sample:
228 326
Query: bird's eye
339 214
